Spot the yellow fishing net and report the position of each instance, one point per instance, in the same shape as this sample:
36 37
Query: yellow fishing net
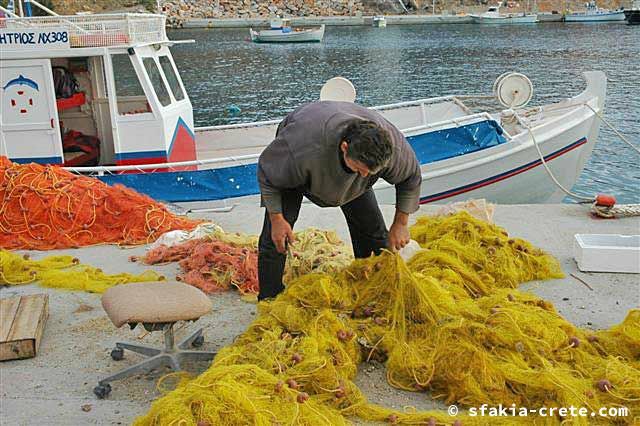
316 250
63 272
449 322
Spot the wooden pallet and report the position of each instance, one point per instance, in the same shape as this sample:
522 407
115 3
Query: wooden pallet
22 321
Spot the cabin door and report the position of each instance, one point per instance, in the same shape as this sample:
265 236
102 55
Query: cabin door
29 130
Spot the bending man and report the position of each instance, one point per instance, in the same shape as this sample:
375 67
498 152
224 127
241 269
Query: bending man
333 153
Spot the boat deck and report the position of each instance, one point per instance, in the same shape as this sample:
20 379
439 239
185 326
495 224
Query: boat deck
53 387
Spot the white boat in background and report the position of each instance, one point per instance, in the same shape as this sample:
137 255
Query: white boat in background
493 16
379 21
282 32
594 14
147 139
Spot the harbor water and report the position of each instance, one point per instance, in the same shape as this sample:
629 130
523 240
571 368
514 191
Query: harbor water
232 80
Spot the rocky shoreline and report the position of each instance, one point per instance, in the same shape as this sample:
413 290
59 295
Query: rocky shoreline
234 13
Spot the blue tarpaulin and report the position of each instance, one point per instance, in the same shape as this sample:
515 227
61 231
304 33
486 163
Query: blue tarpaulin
452 142
238 181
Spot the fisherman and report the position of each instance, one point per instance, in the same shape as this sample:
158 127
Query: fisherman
333 153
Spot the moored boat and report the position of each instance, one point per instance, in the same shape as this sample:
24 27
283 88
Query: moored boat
493 16
594 14
147 138
281 31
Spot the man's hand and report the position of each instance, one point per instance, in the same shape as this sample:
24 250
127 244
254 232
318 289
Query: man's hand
281 232
399 233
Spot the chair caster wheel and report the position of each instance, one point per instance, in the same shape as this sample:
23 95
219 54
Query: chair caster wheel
117 354
101 391
198 341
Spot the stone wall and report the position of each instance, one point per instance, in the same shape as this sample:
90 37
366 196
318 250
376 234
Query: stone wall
181 9
262 8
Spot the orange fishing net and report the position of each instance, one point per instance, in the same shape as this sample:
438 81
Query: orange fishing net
211 265
46 207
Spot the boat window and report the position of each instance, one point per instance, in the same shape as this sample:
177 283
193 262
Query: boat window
156 81
172 78
129 93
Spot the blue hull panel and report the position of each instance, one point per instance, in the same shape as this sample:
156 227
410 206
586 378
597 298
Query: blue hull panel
238 181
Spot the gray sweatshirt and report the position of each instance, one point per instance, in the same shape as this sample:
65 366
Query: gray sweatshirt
305 155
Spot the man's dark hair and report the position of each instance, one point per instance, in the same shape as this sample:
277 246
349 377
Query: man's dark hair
368 143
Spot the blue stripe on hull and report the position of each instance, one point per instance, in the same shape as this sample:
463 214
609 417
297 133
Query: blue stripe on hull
39 160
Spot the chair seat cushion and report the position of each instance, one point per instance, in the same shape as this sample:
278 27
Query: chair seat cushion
154 302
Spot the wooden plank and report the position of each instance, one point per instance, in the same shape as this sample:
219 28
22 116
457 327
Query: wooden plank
27 327
8 309
27 317
42 322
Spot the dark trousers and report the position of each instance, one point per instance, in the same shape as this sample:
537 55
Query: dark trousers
366 227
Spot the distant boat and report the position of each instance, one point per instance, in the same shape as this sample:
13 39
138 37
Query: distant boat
633 15
282 32
594 14
379 21
493 16
550 16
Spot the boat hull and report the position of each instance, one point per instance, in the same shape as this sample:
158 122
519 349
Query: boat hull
597 17
515 178
507 173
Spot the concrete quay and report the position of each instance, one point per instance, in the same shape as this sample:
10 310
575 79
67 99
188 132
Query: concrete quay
326 20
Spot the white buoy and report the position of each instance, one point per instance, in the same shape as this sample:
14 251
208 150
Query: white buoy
513 90
338 89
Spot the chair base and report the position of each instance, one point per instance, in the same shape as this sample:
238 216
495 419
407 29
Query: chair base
170 356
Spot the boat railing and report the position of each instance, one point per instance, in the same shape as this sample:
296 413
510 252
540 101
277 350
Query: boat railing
458 100
100 30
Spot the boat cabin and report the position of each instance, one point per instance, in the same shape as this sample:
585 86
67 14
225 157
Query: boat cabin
282 24
92 90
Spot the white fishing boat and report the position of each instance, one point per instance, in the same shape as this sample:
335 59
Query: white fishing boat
281 31
493 16
593 13
146 139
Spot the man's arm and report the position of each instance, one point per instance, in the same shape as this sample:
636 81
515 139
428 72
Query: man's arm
404 172
277 172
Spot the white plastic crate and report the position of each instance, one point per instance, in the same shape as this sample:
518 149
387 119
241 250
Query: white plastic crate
607 253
